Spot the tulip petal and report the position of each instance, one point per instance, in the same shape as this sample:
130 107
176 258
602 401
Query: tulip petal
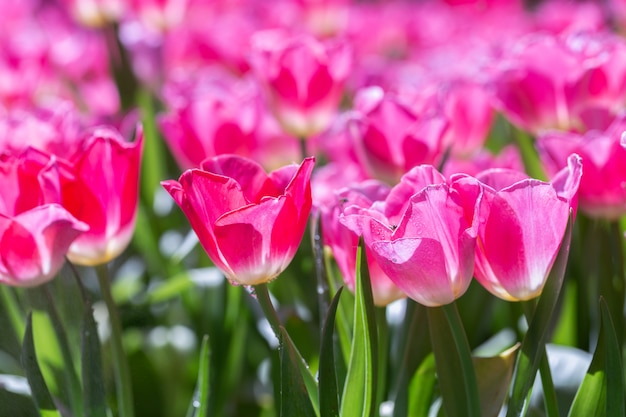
417 266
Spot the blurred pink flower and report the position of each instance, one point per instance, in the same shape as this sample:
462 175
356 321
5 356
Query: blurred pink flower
304 78
249 223
590 81
422 236
35 230
216 114
104 194
390 139
602 192
522 223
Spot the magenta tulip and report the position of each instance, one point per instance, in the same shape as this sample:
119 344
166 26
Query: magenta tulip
602 193
35 230
343 241
424 242
304 78
104 195
523 222
249 222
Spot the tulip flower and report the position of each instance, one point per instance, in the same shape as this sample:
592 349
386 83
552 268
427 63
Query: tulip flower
390 138
35 230
250 223
523 222
343 241
602 193
304 79
103 195
423 236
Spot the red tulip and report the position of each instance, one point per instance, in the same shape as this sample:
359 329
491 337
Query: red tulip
35 230
104 195
249 222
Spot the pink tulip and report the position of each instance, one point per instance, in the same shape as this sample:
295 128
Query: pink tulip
602 192
304 79
422 236
249 223
238 123
522 223
35 230
590 81
390 138
343 241
104 194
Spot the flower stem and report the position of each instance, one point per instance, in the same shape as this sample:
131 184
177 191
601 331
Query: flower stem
453 360
71 378
549 393
263 296
120 369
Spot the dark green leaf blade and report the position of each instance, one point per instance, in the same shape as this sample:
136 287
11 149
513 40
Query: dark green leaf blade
91 360
199 406
359 394
294 397
41 395
329 399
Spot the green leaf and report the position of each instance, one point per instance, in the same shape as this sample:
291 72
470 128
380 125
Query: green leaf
455 370
329 399
415 347
199 406
41 395
422 388
602 390
294 396
170 288
91 358
494 377
533 345
359 394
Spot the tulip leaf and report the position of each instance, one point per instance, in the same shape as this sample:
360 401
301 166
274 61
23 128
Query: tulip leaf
421 389
534 342
602 390
294 396
91 358
415 344
455 370
41 395
199 406
329 399
359 394
494 377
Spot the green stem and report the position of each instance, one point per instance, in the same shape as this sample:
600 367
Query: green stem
120 368
263 297
453 360
71 378
303 151
549 392
465 356
9 303
383 348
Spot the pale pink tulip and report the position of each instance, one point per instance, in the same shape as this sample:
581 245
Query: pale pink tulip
522 224
425 243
